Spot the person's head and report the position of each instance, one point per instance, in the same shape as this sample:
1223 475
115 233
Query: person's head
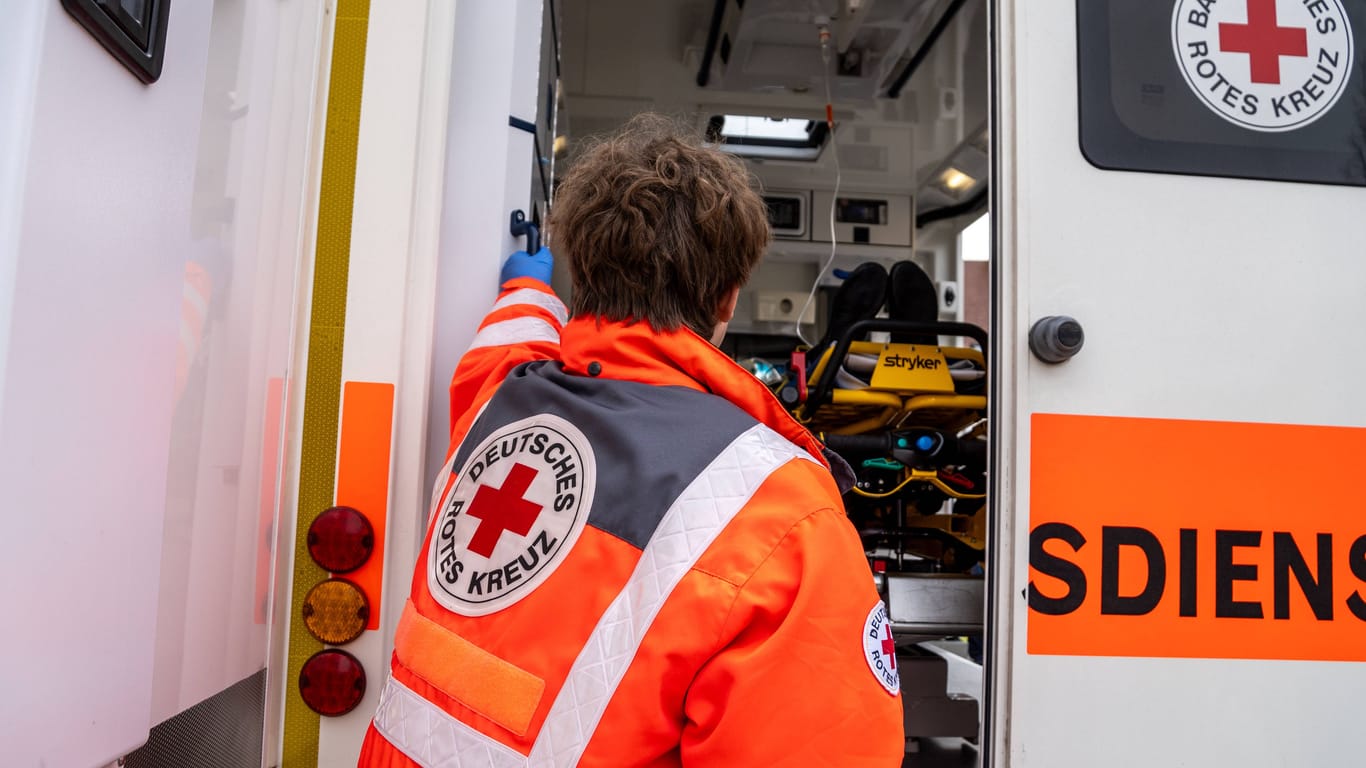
657 228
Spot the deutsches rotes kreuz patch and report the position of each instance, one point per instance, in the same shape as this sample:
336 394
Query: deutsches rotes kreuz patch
879 650
515 510
1267 65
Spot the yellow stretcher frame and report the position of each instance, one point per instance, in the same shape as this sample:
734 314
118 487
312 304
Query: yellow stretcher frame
858 411
919 476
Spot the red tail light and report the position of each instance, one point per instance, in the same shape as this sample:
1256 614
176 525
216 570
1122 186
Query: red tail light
332 682
340 539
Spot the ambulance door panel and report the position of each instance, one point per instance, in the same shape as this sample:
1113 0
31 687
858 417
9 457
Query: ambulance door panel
489 173
98 266
246 219
145 369
1198 562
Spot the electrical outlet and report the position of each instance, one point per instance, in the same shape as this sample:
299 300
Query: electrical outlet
782 307
948 296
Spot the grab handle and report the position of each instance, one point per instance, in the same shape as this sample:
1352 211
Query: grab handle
519 226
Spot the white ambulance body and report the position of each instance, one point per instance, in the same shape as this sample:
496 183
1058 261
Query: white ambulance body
243 244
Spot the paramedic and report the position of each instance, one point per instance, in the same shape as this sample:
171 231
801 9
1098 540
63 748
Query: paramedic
635 555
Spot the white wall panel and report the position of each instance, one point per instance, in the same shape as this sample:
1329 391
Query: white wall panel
488 165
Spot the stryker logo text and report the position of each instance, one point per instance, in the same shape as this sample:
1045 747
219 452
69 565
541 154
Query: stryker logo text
912 362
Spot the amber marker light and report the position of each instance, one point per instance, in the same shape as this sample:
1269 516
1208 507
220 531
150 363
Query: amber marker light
336 611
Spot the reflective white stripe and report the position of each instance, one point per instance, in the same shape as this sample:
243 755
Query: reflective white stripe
535 298
188 342
699 514
198 301
516 331
434 739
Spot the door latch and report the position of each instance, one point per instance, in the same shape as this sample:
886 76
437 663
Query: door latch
1056 338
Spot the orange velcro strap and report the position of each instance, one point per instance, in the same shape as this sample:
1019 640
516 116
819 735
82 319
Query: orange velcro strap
497 689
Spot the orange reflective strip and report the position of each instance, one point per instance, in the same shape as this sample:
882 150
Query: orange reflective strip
363 473
519 311
269 486
495 688
1196 539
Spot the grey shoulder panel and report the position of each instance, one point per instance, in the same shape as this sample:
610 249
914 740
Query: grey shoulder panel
649 442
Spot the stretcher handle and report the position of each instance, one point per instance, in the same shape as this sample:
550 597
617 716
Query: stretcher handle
821 394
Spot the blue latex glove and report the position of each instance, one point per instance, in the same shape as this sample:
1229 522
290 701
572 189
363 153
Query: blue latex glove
523 264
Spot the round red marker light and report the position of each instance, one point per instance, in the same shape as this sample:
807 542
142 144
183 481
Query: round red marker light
340 539
332 682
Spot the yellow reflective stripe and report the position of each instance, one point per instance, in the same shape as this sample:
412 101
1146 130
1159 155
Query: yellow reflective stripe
326 326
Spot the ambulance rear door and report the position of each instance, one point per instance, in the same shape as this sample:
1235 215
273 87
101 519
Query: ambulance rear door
1180 576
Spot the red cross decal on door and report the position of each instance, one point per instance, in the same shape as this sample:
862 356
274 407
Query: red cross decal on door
503 509
888 646
1264 40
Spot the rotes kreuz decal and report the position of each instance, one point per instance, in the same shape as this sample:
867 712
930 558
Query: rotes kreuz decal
516 508
879 650
1266 65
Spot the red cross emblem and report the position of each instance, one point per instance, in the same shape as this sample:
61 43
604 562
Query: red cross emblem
889 647
503 509
1264 40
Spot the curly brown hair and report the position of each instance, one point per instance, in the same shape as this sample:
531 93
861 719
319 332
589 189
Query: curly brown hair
657 227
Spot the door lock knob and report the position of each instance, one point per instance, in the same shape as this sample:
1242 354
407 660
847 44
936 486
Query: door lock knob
1056 338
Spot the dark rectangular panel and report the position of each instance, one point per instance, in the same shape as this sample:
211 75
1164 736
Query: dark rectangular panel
226 730
1261 89
134 31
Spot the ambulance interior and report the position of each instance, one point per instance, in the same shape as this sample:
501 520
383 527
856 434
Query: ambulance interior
900 292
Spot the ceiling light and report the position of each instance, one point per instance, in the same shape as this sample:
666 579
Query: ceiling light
955 180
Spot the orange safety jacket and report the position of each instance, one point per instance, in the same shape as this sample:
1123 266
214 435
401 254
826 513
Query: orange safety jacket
635 557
